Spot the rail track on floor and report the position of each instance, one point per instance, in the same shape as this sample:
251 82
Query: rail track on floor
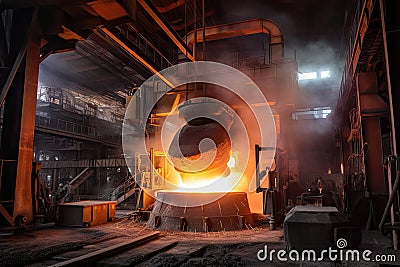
115 251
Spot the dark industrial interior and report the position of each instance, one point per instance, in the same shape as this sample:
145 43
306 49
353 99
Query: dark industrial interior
199 133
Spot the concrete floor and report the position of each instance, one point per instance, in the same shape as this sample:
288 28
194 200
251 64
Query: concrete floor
237 248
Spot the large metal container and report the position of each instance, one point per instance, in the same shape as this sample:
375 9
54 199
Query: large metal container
86 213
230 212
308 227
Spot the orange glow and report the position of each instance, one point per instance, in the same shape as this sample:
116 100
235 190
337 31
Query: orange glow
202 182
212 185
236 181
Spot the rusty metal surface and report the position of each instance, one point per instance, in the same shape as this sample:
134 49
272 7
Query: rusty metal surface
230 212
374 170
86 213
189 139
19 119
242 28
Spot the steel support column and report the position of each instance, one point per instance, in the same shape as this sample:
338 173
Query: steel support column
19 120
27 129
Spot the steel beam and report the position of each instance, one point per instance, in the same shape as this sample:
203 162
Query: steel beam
13 72
3 44
23 192
6 215
135 55
20 105
164 25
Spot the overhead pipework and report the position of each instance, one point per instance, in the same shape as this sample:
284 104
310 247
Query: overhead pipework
242 28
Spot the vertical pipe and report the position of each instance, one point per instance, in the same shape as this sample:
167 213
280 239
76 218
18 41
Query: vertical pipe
151 167
204 29
1 172
257 150
204 39
383 24
186 55
186 39
272 216
195 30
54 181
265 201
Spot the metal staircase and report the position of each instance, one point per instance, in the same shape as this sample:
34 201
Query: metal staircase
124 191
80 178
70 188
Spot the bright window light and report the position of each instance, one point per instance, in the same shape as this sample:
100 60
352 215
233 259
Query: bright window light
310 114
325 113
325 74
307 76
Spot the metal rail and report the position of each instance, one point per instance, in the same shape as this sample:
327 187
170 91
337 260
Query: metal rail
136 56
124 190
147 48
73 130
89 258
66 126
92 163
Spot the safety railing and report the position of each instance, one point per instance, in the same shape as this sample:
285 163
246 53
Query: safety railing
240 60
67 126
355 38
124 187
143 45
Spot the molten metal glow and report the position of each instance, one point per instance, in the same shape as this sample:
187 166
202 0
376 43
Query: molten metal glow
213 185
206 184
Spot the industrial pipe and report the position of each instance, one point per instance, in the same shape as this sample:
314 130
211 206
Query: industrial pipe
392 119
247 27
389 204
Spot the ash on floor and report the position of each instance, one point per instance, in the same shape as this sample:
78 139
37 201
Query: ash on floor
234 248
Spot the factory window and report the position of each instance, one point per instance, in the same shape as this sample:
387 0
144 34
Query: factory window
325 74
307 76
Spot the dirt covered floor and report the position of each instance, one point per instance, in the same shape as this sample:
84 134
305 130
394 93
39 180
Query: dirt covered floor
43 247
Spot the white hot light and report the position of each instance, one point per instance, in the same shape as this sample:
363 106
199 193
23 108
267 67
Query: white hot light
231 162
325 74
307 76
